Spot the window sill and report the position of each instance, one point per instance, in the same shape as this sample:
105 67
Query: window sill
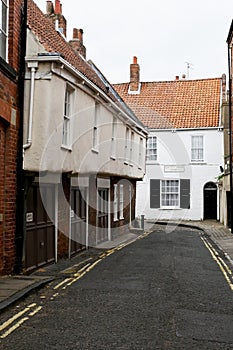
170 208
66 148
94 150
7 69
152 162
200 162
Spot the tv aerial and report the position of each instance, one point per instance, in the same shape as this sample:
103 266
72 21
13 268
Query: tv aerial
189 66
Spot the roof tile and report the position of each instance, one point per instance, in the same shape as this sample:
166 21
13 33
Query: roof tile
175 104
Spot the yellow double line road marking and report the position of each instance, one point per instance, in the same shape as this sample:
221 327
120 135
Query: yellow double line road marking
88 267
17 320
9 326
222 265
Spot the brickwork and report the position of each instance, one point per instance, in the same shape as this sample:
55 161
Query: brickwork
9 123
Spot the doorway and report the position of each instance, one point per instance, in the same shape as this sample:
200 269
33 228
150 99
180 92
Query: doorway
40 230
210 201
78 219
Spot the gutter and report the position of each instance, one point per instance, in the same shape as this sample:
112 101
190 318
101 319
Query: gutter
20 195
33 66
230 121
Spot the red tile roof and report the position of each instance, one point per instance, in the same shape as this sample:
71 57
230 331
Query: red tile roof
54 42
175 104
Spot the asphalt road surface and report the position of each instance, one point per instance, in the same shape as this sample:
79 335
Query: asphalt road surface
170 289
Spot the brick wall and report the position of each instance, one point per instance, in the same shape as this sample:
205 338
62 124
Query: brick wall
9 123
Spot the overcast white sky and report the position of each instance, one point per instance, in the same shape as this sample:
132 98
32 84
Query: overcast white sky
163 34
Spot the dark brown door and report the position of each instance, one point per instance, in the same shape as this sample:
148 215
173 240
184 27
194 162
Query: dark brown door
78 219
102 215
40 231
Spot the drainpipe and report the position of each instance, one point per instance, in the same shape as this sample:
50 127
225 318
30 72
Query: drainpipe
230 129
33 66
20 195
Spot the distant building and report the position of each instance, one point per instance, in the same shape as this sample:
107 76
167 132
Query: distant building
184 148
226 183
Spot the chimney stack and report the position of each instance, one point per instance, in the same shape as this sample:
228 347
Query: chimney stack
54 12
77 42
134 75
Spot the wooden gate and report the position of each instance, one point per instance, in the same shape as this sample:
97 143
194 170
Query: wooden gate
40 230
78 219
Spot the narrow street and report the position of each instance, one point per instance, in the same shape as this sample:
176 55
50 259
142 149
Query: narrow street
168 290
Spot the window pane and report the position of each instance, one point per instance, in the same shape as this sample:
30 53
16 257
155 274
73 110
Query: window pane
151 153
3 29
3 46
67 103
197 151
65 132
170 193
4 18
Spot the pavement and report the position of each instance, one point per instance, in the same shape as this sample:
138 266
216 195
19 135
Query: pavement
13 288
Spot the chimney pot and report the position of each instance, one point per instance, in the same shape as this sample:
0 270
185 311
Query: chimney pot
49 7
177 77
57 7
78 34
75 33
135 60
77 42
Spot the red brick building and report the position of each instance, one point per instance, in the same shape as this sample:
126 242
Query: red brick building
11 49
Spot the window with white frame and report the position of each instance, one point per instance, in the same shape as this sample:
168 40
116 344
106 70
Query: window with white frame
113 139
127 146
66 133
3 28
170 193
140 153
118 202
95 127
197 148
121 202
151 148
131 147
115 203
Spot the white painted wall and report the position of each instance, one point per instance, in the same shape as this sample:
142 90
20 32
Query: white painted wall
174 148
46 152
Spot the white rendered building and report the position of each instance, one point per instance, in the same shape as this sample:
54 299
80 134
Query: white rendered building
184 147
